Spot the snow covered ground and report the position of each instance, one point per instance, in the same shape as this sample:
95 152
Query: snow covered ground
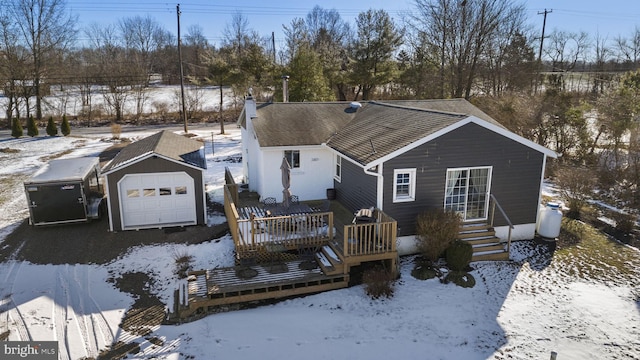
522 309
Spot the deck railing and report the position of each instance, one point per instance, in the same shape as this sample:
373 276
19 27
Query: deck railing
495 204
289 231
371 238
231 212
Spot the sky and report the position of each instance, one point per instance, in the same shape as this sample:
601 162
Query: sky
609 19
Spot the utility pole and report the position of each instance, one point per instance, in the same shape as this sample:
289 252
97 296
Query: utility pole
273 44
184 109
544 25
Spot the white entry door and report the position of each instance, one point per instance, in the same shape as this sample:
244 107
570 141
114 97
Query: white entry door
467 192
157 199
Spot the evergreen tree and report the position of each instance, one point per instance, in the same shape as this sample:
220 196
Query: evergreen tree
65 128
52 129
16 128
32 127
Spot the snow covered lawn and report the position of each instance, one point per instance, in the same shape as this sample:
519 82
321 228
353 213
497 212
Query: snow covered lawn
583 301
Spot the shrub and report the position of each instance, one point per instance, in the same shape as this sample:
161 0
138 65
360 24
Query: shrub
183 263
65 128
576 186
378 282
16 128
32 127
52 129
460 278
436 229
425 272
624 222
116 130
459 255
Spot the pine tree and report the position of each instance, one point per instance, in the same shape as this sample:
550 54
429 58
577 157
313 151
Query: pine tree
32 127
16 128
52 129
65 128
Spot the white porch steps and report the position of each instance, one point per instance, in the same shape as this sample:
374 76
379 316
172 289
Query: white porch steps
486 245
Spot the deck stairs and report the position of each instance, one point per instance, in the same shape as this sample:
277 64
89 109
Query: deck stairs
486 245
330 260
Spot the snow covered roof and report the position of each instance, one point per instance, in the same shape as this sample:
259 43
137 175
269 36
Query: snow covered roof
73 169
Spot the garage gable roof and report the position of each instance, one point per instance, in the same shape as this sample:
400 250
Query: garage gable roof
166 144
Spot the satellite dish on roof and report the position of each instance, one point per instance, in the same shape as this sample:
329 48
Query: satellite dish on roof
355 105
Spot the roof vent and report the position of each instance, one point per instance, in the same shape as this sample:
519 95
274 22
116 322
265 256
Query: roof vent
355 105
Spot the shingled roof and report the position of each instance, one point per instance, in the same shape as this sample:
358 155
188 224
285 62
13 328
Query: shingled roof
164 143
368 132
297 124
380 129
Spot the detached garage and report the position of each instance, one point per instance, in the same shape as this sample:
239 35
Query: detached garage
157 182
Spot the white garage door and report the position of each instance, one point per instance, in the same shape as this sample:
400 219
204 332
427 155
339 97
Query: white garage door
158 199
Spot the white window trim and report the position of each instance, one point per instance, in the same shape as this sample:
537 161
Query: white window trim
337 161
293 169
412 185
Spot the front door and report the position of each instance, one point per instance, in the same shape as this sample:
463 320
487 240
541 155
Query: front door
467 192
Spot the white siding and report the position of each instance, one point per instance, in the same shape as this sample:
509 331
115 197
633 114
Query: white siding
309 182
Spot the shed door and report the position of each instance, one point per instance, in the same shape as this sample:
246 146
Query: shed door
467 192
157 199
56 203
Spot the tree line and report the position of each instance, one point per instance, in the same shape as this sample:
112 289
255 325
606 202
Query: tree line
578 95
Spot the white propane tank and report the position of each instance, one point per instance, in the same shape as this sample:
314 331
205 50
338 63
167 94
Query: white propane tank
550 221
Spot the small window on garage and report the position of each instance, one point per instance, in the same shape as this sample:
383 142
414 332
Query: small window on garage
133 193
149 192
165 191
181 190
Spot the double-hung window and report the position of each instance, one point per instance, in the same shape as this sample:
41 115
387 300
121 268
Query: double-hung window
293 157
404 185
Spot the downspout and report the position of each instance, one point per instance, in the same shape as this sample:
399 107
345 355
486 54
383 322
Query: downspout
379 186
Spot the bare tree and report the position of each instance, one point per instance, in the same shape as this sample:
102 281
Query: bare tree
628 49
565 50
457 33
44 27
142 36
14 65
117 71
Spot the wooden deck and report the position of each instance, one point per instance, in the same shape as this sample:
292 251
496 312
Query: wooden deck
287 255
212 289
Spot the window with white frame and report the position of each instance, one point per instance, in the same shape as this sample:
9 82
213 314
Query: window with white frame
404 185
338 174
293 157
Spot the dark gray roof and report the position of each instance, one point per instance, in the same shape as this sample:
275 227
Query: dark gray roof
165 143
376 129
296 124
380 129
458 106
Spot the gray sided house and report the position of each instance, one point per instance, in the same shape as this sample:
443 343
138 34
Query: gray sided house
403 157
157 182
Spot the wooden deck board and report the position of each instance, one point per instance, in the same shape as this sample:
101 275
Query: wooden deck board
226 280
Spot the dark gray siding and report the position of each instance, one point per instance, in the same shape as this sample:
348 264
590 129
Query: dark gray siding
356 190
515 179
153 165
